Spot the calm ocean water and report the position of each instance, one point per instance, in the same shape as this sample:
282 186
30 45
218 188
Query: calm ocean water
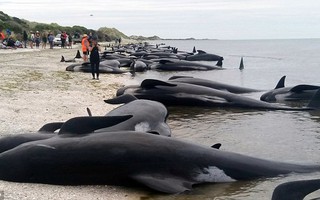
276 135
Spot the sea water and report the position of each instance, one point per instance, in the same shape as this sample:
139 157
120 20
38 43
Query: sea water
288 136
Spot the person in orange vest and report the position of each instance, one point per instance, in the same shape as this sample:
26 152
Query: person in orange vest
85 47
2 36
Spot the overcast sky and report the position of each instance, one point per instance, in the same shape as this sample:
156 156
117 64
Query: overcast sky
214 19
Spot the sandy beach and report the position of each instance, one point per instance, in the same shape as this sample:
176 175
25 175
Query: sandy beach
35 89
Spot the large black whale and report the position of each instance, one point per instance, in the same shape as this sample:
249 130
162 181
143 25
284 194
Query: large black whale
295 190
181 65
47 131
212 84
162 163
294 93
185 94
147 116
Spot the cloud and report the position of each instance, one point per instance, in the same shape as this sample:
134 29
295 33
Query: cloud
172 18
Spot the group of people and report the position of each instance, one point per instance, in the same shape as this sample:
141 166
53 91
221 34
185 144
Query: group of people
32 39
91 47
66 40
7 41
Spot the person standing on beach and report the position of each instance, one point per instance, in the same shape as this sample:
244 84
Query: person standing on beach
2 36
63 38
44 40
31 39
37 39
50 39
70 41
85 47
25 38
95 58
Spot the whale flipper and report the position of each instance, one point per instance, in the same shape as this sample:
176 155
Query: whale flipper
50 127
177 77
150 83
89 112
125 98
216 146
301 88
163 61
85 125
295 190
169 184
281 83
201 52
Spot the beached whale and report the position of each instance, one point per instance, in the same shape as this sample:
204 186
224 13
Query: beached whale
185 94
162 163
203 56
147 116
295 190
47 131
295 93
181 65
212 84
103 68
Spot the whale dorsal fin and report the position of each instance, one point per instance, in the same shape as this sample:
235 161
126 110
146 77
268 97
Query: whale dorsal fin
150 83
78 55
164 183
281 83
216 146
201 52
194 50
85 125
50 127
301 88
241 67
163 61
125 98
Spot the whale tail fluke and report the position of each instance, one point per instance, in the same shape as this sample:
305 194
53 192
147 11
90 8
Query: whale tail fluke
241 67
78 55
219 63
315 101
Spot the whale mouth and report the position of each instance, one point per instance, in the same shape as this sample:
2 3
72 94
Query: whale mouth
45 146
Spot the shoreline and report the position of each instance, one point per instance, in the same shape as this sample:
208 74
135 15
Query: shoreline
35 89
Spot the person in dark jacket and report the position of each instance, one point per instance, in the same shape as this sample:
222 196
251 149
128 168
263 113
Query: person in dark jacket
25 38
95 58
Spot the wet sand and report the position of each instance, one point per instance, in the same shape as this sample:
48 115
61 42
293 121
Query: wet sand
35 89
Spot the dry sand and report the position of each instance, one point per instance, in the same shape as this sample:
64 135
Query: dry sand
35 89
